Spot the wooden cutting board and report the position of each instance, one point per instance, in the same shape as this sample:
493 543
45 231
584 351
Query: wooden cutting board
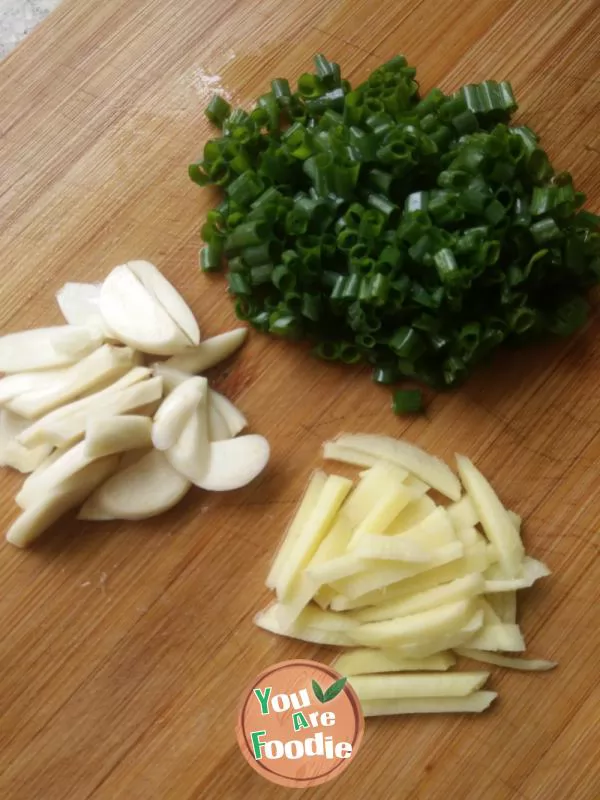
124 647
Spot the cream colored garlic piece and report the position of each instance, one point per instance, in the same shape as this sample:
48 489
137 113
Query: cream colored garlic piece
175 411
144 489
209 352
137 317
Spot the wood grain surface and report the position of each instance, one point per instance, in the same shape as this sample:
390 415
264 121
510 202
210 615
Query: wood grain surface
124 647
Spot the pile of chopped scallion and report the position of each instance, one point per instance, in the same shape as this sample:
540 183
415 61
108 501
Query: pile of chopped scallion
415 234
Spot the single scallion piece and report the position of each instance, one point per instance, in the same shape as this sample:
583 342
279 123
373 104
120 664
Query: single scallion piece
407 401
210 256
218 110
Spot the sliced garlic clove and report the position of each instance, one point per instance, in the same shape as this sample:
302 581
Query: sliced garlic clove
236 421
168 297
44 348
58 472
175 411
24 459
208 353
234 463
65 425
149 409
190 453
79 302
146 488
134 315
171 377
78 341
21 382
12 453
106 364
34 433
140 399
108 435
130 457
50 507
138 359
11 425
47 462
218 429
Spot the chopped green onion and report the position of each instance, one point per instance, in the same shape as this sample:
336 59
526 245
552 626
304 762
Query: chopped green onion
406 343
258 254
489 97
246 235
329 351
282 93
446 265
238 284
261 275
210 256
328 71
283 279
546 230
218 110
417 234
386 375
245 188
285 325
407 401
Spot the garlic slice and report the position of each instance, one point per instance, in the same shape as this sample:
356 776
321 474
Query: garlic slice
79 340
146 488
233 463
236 421
209 352
47 462
12 453
50 507
140 398
218 429
171 377
68 423
131 457
108 435
136 317
190 453
58 472
21 382
175 411
79 302
168 297
45 348
105 364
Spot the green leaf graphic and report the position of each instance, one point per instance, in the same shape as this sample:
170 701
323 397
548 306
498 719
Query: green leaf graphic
334 689
318 692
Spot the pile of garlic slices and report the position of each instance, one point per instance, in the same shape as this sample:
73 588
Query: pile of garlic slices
413 582
98 428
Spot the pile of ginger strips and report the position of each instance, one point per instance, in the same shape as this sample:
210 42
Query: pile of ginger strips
407 582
